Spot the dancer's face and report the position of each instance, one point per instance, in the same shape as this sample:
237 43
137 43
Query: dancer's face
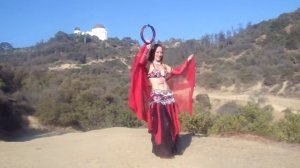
159 53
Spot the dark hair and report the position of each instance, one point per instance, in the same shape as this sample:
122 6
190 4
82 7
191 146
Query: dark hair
152 52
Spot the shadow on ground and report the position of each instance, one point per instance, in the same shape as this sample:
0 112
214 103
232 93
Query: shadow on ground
28 134
183 142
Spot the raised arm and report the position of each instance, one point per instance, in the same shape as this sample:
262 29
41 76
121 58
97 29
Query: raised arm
139 91
179 70
142 54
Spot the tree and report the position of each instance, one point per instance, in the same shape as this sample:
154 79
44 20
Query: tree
61 36
5 46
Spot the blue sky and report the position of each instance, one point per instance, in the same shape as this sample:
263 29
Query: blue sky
26 22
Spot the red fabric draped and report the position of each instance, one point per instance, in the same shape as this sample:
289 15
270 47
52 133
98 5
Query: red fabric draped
139 92
181 82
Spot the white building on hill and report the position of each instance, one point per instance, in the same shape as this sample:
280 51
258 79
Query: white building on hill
98 31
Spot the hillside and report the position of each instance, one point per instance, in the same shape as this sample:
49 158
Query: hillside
82 82
267 53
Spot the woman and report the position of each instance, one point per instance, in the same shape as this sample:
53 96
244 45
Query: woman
158 93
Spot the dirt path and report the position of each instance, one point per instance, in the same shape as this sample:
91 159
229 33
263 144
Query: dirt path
279 104
131 148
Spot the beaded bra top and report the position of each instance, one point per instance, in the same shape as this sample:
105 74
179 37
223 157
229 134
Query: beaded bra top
156 73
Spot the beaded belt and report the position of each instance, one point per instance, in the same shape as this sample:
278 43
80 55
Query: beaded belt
162 96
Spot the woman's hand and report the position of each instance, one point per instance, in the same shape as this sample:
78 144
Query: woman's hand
148 45
190 57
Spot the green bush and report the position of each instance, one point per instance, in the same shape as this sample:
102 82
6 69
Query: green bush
259 119
231 108
127 118
204 102
51 112
199 122
245 119
11 118
228 123
288 128
2 84
248 119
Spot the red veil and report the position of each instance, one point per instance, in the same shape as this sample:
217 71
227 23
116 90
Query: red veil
181 82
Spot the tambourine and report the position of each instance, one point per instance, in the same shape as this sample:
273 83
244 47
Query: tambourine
153 34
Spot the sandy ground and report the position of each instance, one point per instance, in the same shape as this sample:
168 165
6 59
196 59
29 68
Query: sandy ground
131 148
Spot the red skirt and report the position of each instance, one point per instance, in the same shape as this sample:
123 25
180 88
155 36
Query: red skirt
164 124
